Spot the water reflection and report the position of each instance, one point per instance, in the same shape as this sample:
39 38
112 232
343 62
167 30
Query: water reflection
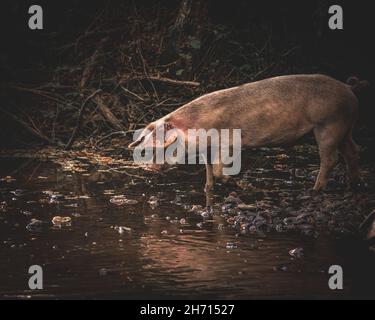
154 256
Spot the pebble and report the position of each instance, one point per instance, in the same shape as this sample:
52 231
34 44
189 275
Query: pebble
62 221
177 200
154 201
103 272
195 208
36 225
243 206
122 200
26 213
297 253
56 198
279 228
280 268
122 230
18 192
205 215
231 245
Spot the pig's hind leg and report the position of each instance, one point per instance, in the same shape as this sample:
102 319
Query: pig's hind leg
328 138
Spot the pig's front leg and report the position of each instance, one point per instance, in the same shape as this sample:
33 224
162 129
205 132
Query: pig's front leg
209 186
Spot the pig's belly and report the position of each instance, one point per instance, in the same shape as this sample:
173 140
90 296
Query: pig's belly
274 134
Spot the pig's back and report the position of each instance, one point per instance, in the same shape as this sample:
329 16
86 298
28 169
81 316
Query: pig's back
271 109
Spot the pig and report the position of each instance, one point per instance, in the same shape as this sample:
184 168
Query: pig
277 111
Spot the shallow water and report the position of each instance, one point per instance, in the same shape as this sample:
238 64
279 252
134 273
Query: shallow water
157 258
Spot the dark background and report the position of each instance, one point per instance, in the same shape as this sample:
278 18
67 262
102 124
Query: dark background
296 31
222 44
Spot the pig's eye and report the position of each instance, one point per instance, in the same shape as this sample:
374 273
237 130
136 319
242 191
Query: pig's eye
137 142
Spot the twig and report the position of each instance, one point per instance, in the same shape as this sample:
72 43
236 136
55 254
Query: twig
113 134
145 69
127 173
34 131
90 65
132 93
42 93
168 80
79 119
176 82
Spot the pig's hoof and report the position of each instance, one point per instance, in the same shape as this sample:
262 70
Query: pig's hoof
317 188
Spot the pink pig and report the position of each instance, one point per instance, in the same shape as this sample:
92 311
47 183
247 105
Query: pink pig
273 112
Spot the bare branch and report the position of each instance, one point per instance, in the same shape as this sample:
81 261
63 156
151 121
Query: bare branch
79 119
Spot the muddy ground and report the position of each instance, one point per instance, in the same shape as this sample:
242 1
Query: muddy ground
101 227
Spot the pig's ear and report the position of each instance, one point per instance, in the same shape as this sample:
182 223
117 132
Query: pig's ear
142 136
171 134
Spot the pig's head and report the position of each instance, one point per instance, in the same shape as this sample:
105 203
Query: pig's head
156 137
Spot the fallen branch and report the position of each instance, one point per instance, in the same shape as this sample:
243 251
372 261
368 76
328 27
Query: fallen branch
79 119
108 115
